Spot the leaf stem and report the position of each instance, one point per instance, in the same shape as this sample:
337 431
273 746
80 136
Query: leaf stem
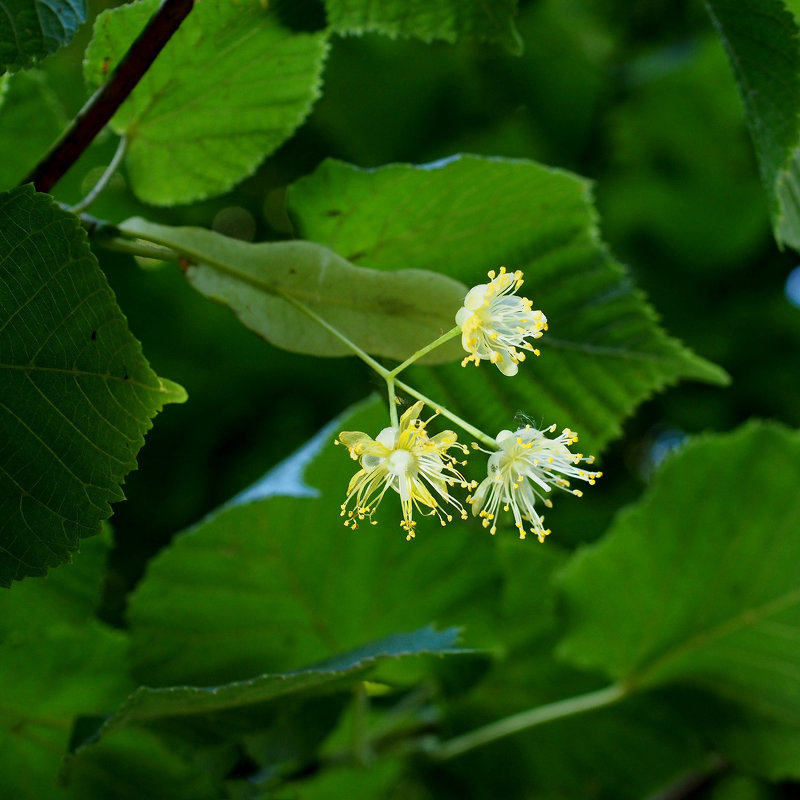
527 719
102 105
425 350
392 402
362 750
367 359
101 184
482 437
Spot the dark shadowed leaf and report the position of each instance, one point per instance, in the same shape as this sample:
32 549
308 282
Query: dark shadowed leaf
76 396
699 583
33 29
761 39
237 708
58 662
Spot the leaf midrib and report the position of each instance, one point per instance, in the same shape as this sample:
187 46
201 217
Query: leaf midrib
746 617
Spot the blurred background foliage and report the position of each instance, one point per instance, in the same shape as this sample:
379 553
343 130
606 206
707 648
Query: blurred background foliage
639 98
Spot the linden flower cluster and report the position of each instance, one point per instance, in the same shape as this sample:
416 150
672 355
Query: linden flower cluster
527 464
495 322
524 465
409 461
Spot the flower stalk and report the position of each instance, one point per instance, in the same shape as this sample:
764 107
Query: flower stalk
526 720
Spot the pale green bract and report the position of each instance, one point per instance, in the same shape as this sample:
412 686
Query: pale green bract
389 314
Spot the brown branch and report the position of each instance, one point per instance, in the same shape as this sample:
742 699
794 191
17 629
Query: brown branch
99 109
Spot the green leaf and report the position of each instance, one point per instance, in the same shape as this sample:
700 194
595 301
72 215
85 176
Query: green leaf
699 581
386 314
31 118
243 705
604 353
429 20
33 29
229 87
67 595
373 783
635 750
77 395
56 662
277 577
135 763
763 46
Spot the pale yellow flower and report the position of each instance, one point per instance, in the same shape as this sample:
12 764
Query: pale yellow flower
525 467
408 461
495 322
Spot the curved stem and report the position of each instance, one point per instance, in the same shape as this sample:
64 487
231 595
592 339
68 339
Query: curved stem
367 359
425 350
101 184
528 719
462 423
392 402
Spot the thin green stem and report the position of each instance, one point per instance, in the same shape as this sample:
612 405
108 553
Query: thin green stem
101 184
445 337
362 750
367 359
392 402
528 719
471 429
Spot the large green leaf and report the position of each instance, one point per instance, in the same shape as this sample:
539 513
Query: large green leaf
604 352
56 662
76 395
33 29
761 39
700 581
230 86
269 585
31 117
428 20
237 708
386 314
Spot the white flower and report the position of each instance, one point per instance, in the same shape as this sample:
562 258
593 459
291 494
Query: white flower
410 462
495 322
525 467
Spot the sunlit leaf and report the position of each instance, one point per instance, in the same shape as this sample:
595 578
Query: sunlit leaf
700 581
761 39
428 20
604 353
229 87
266 585
386 314
33 29
76 395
